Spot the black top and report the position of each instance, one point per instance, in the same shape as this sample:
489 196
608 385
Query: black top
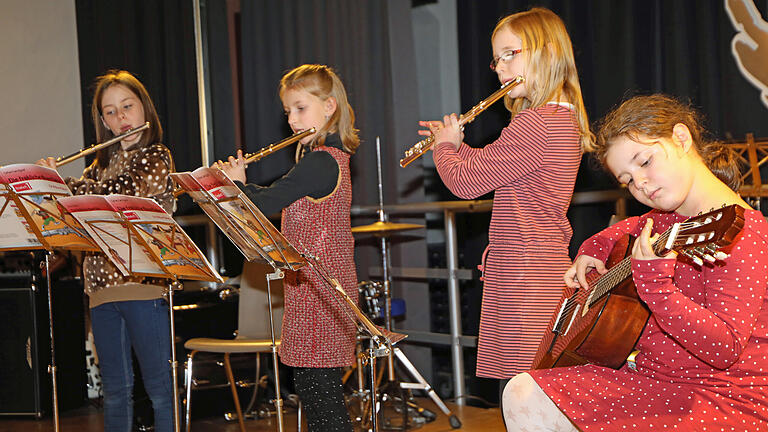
314 175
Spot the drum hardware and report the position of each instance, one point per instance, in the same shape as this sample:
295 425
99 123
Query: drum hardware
382 228
394 392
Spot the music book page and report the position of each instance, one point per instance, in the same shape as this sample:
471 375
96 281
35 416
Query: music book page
31 217
139 237
238 217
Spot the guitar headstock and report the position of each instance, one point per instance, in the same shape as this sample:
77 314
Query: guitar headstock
701 237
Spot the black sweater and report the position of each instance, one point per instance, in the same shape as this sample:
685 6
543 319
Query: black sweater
314 175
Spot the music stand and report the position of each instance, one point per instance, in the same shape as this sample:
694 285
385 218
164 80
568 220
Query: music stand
257 239
141 239
30 219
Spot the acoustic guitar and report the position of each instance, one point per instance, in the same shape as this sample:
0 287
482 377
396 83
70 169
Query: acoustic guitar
601 325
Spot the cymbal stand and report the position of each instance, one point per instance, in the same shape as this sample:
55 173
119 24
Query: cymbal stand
385 263
421 383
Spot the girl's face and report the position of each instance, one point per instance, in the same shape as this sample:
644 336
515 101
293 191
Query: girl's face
305 110
656 171
509 59
121 109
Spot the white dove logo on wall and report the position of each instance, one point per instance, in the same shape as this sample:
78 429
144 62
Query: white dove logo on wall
750 45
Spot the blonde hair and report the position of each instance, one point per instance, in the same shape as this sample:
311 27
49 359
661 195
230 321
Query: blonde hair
655 116
322 82
551 68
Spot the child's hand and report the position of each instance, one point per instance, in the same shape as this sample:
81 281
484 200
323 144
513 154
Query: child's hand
576 275
448 130
233 168
643 248
48 162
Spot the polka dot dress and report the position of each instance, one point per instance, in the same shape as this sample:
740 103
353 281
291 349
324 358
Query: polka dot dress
703 362
139 172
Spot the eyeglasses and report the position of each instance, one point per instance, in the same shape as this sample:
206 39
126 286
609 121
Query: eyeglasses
505 57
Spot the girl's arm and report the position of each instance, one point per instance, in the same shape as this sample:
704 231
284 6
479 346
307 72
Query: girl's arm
85 183
717 331
518 151
315 175
601 244
146 176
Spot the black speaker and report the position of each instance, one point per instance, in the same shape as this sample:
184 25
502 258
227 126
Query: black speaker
25 350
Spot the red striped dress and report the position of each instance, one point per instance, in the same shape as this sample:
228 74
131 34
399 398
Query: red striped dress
531 168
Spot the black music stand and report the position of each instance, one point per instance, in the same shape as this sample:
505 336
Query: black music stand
30 219
257 239
141 239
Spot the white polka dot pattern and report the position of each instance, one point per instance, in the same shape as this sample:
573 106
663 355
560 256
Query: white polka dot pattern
139 172
703 354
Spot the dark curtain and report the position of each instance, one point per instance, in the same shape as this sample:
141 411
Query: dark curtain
353 37
369 45
622 48
155 42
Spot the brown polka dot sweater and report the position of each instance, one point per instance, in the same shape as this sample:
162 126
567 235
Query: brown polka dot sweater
139 172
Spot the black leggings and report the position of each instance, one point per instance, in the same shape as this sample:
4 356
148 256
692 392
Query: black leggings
322 398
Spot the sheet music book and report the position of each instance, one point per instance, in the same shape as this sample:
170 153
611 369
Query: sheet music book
30 217
139 237
238 217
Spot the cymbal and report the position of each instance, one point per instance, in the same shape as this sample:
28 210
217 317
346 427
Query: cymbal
384 228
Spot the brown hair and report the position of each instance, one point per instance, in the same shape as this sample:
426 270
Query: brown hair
149 136
654 116
551 68
322 81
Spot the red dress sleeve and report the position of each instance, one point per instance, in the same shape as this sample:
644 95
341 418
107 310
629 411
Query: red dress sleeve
519 150
717 331
601 244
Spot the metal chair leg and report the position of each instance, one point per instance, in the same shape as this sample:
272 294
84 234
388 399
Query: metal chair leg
233 387
188 383
299 412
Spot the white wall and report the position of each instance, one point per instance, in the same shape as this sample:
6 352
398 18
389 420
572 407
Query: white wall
40 109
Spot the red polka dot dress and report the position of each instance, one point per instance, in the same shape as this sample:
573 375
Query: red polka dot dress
703 362
531 168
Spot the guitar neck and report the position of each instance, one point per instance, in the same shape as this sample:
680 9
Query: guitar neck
620 272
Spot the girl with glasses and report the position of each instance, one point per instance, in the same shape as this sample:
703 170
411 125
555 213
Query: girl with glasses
531 168
701 360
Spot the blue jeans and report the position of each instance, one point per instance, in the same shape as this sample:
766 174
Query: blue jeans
145 326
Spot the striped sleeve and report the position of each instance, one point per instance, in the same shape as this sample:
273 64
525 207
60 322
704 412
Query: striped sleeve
466 151
518 151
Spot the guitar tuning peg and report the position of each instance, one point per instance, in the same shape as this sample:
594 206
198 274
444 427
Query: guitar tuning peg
716 253
698 261
701 251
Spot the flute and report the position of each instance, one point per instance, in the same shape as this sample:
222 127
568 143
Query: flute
422 146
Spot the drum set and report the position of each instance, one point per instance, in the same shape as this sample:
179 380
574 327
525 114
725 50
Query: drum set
392 399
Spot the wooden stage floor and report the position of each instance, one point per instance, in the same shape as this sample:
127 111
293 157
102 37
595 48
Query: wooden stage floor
89 419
